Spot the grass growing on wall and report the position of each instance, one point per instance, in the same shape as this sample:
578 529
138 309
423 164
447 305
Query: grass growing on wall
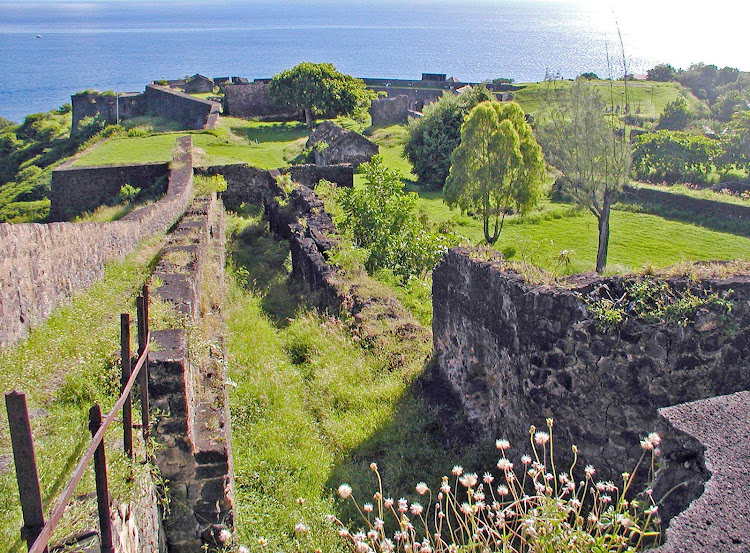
64 367
264 145
311 409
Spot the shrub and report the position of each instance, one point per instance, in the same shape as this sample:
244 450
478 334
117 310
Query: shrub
535 509
127 194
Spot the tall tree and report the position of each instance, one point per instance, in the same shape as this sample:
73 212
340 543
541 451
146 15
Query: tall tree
497 167
433 137
318 88
580 140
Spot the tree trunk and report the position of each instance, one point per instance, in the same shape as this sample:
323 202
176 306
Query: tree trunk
309 117
601 253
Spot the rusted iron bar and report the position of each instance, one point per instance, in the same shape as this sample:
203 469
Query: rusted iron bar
102 489
127 408
40 545
26 473
142 309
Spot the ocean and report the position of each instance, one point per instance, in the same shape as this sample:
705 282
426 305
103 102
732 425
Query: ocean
123 45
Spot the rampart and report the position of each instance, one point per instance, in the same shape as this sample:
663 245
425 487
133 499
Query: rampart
188 384
253 100
516 353
394 110
248 184
76 190
681 202
188 111
112 108
42 266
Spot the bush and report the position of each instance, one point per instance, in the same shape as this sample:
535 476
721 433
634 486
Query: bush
675 116
128 194
383 219
673 156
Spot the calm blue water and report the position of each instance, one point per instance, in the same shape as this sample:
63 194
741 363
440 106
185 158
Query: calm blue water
124 45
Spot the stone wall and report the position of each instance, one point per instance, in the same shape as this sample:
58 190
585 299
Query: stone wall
129 104
42 266
393 110
188 111
418 97
253 100
341 146
137 524
76 190
248 184
516 353
189 386
680 202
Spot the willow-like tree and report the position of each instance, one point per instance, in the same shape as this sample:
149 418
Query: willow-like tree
581 140
497 168
318 88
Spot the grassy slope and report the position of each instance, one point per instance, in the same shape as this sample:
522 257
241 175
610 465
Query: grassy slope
637 239
265 145
650 97
311 409
65 366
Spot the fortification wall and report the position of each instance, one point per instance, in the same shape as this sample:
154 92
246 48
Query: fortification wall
394 110
418 98
76 190
189 386
687 204
188 111
515 354
41 266
253 100
248 184
108 107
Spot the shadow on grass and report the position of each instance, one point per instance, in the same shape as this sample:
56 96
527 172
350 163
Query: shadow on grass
275 132
264 264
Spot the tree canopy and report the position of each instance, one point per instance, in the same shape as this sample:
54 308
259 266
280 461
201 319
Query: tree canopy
580 140
675 116
497 167
433 137
318 88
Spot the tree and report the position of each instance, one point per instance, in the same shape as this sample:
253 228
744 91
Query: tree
588 76
662 72
498 166
433 137
735 144
675 116
728 104
580 140
318 88
673 156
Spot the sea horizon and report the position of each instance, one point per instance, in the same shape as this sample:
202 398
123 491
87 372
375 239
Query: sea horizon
54 49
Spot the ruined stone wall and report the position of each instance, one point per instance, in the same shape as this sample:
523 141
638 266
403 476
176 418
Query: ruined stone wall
92 104
248 184
341 145
137 524
189 386
687 204
253 100
41 266
188 111
76 190
394 110
418 97
516 353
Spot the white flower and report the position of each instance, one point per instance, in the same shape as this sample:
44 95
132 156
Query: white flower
388 502
504 464
503 490
487 478
541 438
590 471
525 459
224 535
416 509
367 507
300 528
469 480
422 488
345 491
457 470
502 444
403 505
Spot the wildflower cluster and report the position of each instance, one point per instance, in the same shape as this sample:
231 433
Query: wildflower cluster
526 507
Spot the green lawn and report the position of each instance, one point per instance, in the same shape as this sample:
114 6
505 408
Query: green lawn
264 145
649 96
637 239
702 193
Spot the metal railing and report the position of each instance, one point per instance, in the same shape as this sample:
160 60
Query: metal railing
35 531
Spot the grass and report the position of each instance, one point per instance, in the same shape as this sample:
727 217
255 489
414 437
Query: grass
701 193
311 408
648 96
264 145
64 367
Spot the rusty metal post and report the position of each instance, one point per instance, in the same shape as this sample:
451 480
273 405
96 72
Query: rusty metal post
26 473
127 408
102 491
142 308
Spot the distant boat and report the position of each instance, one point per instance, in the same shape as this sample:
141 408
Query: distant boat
38 36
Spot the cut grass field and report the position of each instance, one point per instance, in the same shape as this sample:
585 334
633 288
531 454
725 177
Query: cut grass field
264 145
311 409
637 240
648 96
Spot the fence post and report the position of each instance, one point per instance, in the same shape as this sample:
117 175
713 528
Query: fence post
127 408
142 308
26 473
102 491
